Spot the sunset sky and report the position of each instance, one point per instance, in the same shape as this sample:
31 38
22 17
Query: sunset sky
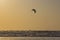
17 15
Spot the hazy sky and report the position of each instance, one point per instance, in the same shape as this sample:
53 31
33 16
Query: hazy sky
17 15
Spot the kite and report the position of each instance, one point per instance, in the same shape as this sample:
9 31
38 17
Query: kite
34 10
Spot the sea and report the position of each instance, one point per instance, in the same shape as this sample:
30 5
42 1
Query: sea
29 38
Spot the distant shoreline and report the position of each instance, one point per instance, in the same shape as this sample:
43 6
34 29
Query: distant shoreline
29 33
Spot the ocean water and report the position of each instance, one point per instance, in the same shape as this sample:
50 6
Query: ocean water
29 38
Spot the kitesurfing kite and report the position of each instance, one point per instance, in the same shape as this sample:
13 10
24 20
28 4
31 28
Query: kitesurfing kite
34 10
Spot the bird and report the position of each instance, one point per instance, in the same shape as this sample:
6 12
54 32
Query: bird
34 10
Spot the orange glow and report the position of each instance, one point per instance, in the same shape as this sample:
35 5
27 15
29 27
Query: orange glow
17 15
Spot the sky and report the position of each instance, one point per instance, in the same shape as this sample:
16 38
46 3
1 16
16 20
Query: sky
18 15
